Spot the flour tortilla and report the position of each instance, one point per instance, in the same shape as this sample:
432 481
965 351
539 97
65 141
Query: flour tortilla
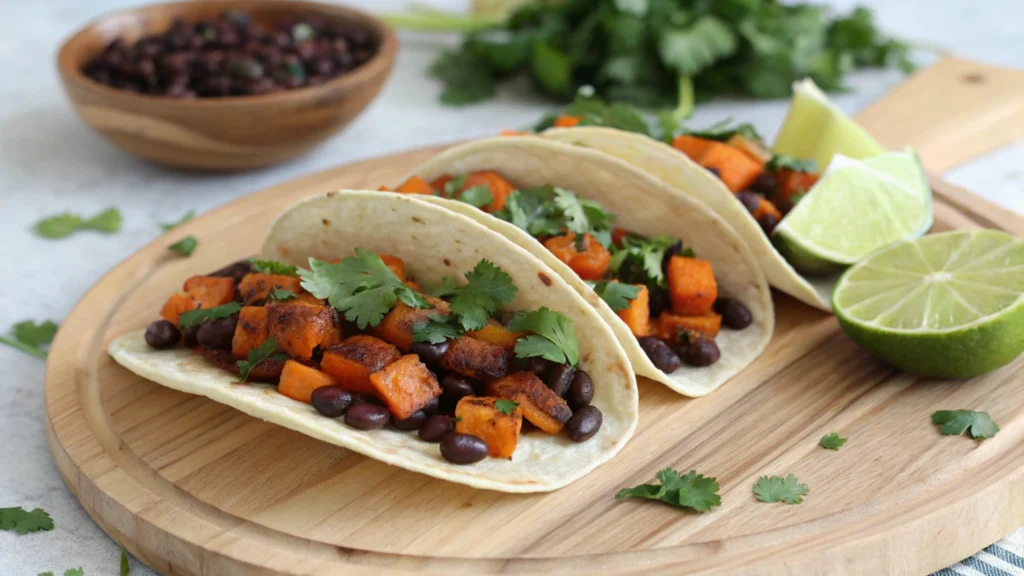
641 204
677 170
434 243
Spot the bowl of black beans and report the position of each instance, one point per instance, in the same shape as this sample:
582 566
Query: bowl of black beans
226 84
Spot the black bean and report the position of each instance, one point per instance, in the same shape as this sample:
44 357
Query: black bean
331 401
560 378
162 334
701 351
537 365
430 353
734 314
413 422
660 354
436 427
245 68
584 423
216 86
768 222
765 183
431 406
463 448
581 390
750 200
367 416
675 249
217 333
238 270
188 335
358 398
454 388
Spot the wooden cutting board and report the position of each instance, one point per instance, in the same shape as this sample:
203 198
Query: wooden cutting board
193 487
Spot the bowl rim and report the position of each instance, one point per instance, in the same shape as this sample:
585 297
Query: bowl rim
381 61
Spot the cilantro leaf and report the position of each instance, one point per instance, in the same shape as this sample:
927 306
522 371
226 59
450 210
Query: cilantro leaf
784 162
466 78
725 129
832 441
282 295
955 422
74 572
437 329
200 315
30 337
476 196
185 246
639 260
580 215
506 407
257 355
616 294
553 336
445 289
184 218
487 288
66 224
452 187
691 490
692 49
274 267
20 521
779 489
125 568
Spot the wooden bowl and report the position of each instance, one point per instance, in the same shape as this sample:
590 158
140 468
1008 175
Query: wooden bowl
220 134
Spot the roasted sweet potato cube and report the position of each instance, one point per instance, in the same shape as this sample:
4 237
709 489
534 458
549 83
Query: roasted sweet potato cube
298 381
638 314
256 287
541 407
495 333
211 291
353 360
670 325
251 331
396 264
478 415
398 324
406 385
415 185
476 359
178 302
691 285
299 328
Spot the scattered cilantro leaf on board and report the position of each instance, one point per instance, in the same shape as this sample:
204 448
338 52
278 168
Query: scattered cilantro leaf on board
282 295
20 521
257 355
553 336
832 441
184 247
506 407
778 489
74 572
184 218
198 316
691 490
487 288
616 294
66 224
125 567
955 422
437 329
274 267
476 196
30 337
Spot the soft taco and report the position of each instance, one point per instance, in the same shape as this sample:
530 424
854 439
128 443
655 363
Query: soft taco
679 288
405 332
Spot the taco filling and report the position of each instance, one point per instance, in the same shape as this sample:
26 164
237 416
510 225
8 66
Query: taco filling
359 339
664 293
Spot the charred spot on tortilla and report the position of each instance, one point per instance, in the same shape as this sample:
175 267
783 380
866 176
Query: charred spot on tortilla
447 262
418 220
544 278
332 193
326 222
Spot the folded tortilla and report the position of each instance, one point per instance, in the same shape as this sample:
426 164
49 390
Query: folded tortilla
434 243
680 172
642 204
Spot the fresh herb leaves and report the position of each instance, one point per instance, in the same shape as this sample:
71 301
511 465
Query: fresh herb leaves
690 490
486 289
194 317
476 196
184 218
66 224
832 441
68 572
778 489
257 355
125 567
185 246
30 337
545 211
553 336
956 422
445 289
616 294
274 267
639 259
437 329
506 407
20 521
282 295
784 162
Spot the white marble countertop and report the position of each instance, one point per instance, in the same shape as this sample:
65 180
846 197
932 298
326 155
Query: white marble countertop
50 162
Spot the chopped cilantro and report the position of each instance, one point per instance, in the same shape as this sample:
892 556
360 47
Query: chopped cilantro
194 317
476 196
125 566
437 329
282 295
184 218
66 224
725 129
274 267
779 489
690 490
487 288
955 422
20 521
553 336
506 407
30 337
784 162
257 355
185 246
639 260
545 211
616 294
452 187
445 289
832 441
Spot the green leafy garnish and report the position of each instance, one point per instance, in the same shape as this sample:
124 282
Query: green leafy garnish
185 246
185 218
506 407
616 294
437 329
690 490
545 211
194 317
476 196
257 355
832 441
125 566
779 489
274 267
639 259
68 572
445 289
452 187
486 289
784 162
552 336
30 337
362 287
20 521
955 422
282 295
66 224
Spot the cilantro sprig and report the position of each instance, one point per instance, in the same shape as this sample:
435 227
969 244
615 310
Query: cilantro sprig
778 489
487 288
553 336
476 196
437 329
257 355
184 218
21 521
955 422
198 316
31 338
616 294
282 295
506 407
832 441
545 211
639 259
184 247
274 267
691 490
65 224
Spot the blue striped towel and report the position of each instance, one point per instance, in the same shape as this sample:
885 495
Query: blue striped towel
1004 558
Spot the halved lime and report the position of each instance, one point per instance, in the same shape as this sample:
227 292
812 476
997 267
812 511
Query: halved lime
816 128
948 305
855 208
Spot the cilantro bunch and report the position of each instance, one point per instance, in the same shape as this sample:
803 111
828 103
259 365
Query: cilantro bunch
548 210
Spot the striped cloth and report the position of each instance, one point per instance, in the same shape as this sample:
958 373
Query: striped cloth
1004 558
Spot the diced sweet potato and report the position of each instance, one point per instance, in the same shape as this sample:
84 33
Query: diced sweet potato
415 185
692 146
178 302
438 183
764 208
790 183
500 188
735 168
395 264
251 331
509 132
476 359
480 417
299 328
751 147
638 315
567 121
618 235
542 407
211 291
691 285
304 298
589 264
669 325
398 324
298 381
353 360
255 288
495 333
406 385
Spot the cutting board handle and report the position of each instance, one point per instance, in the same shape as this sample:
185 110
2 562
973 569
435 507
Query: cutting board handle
950 112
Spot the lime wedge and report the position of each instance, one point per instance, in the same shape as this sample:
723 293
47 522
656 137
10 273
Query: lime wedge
855 208
948 305
816 128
